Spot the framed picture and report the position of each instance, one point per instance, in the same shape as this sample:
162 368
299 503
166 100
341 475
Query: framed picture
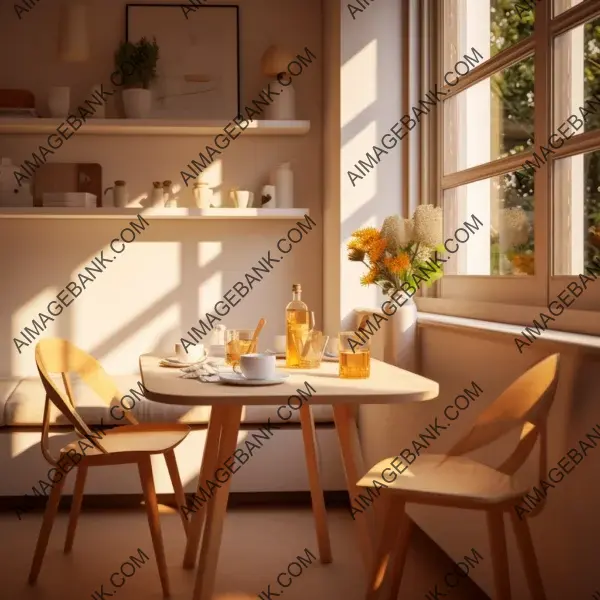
198 70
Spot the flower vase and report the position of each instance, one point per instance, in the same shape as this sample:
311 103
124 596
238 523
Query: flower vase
401 336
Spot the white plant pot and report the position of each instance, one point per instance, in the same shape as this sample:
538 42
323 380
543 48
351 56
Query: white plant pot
137 103
401 336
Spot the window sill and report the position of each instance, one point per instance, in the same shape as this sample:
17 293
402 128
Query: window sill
507 331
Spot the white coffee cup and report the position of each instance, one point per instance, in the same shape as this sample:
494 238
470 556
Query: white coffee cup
280 344
194 353
256 366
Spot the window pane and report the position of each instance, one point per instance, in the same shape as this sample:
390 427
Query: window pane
560 6
505 204
576 213
488 25
577 81
491 119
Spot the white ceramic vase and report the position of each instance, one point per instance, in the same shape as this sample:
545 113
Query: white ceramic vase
137 103
283 180
283 107
401 336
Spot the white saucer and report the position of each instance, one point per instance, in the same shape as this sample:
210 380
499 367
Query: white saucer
176 362
235 379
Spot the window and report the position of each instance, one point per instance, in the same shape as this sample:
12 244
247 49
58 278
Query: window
519 147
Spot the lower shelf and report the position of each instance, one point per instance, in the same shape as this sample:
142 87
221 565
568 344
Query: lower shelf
152 213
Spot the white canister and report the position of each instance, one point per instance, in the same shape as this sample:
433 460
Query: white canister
14 191
203 194
283 179
267 197
59 102
95 98
283 108
120 194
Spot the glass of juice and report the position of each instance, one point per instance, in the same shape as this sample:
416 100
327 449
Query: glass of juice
355 356
237 342
309 348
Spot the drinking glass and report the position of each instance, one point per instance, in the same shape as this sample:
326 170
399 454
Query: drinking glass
237 342
355 356
309 347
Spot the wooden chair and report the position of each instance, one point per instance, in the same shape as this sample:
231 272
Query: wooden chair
126 444
456 481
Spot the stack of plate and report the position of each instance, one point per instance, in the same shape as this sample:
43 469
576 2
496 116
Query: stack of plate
69 200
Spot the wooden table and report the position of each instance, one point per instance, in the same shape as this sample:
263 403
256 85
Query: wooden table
387 384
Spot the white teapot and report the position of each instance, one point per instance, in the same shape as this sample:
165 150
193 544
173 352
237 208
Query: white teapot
11 193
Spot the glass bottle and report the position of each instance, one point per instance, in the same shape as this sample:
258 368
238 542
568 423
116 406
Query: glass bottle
296 324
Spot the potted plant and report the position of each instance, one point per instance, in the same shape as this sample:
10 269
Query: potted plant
137 63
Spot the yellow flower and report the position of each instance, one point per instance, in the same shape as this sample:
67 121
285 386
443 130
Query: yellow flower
370 277
364 238
398 264
376 249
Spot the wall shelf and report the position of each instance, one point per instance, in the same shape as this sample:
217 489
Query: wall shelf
150 127
152 213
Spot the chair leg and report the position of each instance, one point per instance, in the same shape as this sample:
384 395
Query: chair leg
177 486
527 551
495 522
76 506
46 529
316 489
145 469
392 520
401 544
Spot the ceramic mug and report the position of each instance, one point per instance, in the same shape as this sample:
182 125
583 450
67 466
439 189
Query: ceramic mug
256 366
241 198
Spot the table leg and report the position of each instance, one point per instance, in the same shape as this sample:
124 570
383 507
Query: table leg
316 489
209 465
217 508
347 431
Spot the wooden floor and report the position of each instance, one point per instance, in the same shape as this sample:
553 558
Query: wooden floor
258 544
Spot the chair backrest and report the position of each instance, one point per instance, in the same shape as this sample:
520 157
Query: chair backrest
53 356
525 404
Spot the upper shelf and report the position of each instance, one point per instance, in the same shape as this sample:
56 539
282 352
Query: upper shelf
152 213
152 127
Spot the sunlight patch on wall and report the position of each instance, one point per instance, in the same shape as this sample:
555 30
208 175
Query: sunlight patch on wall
359 83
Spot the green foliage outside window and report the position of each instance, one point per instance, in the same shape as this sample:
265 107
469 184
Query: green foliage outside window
513 88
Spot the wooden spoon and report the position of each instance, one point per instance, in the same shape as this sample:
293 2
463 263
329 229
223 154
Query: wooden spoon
257 331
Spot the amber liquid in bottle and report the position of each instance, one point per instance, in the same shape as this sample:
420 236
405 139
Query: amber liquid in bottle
296 324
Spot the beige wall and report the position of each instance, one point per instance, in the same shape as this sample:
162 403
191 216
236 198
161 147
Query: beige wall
176 270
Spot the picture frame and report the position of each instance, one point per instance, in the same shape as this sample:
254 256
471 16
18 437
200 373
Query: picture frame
198 71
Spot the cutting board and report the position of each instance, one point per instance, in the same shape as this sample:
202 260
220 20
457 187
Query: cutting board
67 177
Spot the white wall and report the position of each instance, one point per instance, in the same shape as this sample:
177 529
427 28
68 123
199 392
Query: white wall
176 270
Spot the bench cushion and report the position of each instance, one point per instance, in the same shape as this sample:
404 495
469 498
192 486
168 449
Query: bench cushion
22 404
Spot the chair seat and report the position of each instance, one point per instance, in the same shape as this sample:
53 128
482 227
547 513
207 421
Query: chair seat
454 477
147 439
